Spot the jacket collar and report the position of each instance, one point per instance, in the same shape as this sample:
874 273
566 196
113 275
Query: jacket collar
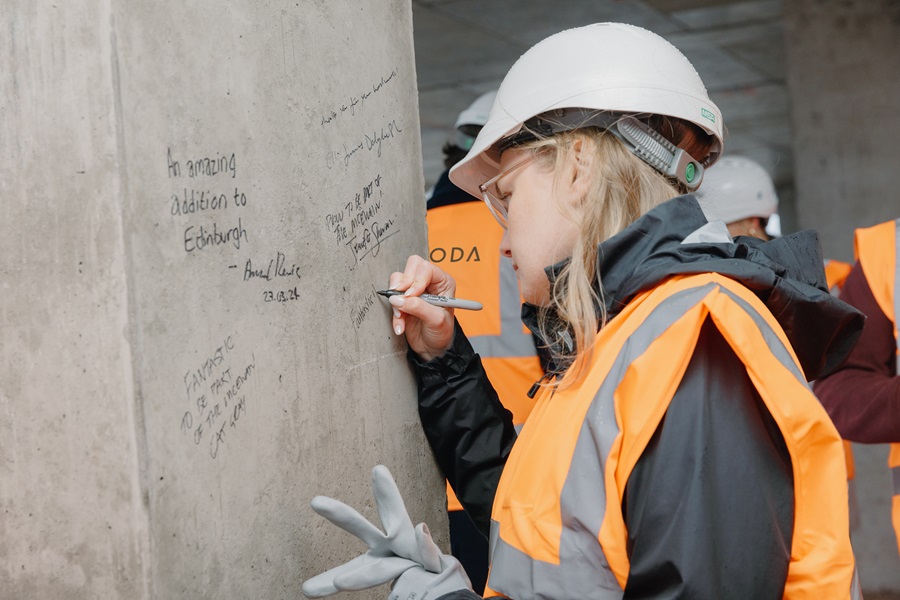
787 274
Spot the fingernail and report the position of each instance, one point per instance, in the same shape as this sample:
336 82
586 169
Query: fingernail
398 330
396 314
397 301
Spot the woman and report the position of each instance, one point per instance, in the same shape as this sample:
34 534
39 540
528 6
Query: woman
678 452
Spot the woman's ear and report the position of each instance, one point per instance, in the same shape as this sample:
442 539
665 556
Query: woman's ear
581 167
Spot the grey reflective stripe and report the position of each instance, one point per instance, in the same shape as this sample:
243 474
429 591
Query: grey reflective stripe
855 589
583 570
512 341
779 350
895 475
897 293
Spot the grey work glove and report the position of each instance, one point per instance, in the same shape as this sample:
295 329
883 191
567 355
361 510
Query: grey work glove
399 549
424 585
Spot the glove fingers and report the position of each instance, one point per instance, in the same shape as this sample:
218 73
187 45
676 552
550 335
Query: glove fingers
392 511
419 583
323 584
429 555
319 587
372 573
349 520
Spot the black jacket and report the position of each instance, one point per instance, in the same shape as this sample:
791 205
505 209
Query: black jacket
678 547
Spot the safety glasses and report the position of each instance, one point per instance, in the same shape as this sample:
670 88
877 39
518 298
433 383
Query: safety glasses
497 202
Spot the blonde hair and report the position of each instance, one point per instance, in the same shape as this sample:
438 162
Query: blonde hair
621 188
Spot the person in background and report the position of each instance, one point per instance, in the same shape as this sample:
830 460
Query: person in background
740 192
836 273
681 453
463 239
863 395
468 123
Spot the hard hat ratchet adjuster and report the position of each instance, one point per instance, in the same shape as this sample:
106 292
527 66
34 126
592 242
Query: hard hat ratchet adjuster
658 152
641 140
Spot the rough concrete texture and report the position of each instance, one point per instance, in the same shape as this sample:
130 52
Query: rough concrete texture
199 202
842 57
72 520
842 62
873 538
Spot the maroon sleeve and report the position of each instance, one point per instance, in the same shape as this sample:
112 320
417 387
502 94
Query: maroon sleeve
863 395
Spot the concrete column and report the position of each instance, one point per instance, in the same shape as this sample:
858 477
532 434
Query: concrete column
73 514
843 65
843 61
198 202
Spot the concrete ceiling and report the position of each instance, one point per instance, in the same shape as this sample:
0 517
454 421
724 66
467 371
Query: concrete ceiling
464 47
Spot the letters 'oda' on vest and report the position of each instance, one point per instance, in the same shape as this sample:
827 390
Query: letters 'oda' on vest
464 241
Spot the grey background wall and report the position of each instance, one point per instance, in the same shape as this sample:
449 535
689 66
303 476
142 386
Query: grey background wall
843 58
198 203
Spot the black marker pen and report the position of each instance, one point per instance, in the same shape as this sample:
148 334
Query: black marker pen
438 300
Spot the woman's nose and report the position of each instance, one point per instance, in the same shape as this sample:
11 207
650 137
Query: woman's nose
504 244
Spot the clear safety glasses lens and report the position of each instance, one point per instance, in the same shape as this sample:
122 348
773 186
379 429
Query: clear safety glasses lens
499 204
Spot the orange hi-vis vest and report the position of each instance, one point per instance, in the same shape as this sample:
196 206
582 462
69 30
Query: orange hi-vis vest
558 530
836 273
878 252
464 241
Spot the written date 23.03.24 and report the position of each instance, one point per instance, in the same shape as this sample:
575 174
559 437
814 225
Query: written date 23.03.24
281 295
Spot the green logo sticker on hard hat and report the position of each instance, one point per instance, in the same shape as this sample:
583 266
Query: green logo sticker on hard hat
689 172
708 114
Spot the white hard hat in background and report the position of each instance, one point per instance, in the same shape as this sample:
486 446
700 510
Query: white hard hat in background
478 112
472 119
605 66
737 188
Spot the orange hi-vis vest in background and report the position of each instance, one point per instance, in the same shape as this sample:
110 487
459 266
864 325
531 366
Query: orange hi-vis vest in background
836 273
878 252
558 530
464 240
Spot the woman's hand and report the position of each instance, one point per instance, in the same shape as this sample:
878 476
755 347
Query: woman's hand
428 328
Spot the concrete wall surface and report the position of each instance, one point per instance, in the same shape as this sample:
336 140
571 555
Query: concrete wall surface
72 517
842 59
199 201
874 544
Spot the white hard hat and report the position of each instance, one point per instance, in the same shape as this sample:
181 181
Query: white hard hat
602 67
477 113
472 119
737 188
